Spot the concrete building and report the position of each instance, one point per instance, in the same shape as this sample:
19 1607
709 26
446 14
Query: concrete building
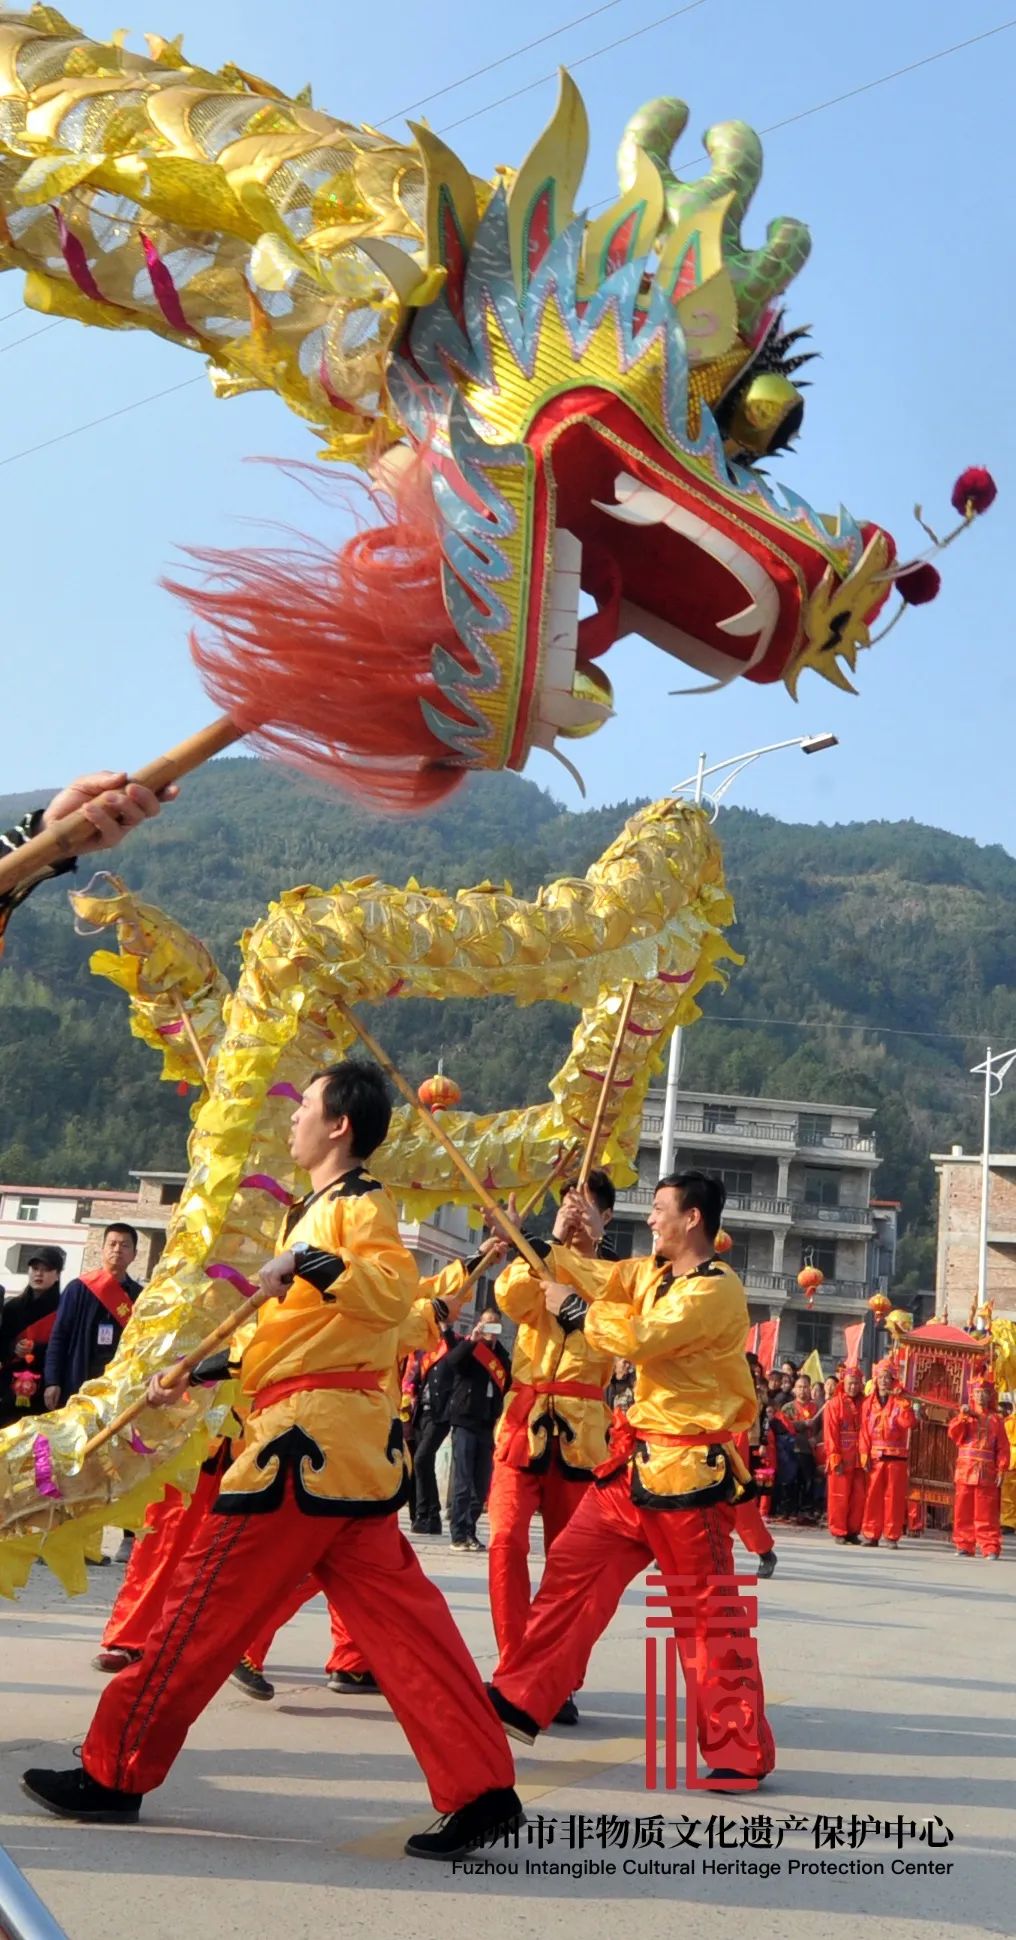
799 1191
959 1230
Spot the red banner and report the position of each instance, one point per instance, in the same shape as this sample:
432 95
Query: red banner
763 1340
852 1337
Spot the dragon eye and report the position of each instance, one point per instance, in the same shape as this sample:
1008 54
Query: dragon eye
765 415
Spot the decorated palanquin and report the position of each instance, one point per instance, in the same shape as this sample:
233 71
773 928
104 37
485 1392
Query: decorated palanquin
549 405
938 1364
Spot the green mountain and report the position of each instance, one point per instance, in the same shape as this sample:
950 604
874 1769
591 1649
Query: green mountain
880 956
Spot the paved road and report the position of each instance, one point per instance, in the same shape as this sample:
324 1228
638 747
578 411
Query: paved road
891 1682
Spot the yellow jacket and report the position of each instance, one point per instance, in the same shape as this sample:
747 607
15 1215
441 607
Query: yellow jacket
535 1422
686 1338
342 1445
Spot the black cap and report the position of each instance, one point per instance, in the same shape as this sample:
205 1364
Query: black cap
52 1257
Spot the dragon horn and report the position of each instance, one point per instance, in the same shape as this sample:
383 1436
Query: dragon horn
734 149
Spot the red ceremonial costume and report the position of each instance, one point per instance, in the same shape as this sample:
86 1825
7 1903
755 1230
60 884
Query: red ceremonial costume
316 1486
982 1459
885 1454
665 1494
845 1478
553 1432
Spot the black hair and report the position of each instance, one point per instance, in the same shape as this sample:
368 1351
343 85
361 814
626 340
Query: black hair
601 1188
121 1226
700 1192
358 1091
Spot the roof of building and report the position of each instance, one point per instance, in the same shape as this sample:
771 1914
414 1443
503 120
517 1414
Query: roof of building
777 1104
1002 1161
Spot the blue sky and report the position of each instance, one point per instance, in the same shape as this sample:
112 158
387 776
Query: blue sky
910 291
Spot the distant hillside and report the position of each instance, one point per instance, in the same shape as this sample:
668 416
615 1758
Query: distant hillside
879 924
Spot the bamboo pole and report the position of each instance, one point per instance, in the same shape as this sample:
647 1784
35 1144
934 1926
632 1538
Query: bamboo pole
596 1129
195 1043
74 835
223 1332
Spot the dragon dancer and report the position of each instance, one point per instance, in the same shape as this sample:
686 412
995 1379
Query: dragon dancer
666 1492
318 1483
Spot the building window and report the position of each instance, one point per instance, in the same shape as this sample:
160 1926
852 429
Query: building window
621 1235
738 1184
813 1127
814 1334
82 1212
172 1192
737 1258
28 1209
821 1189
714 1117
820 1253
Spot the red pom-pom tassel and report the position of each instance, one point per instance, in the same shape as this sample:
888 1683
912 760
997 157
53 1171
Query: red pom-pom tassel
974 491
919 584
182 1088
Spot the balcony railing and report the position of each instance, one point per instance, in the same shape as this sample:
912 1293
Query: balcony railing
805 1214
739 1202
756 1279
760 1131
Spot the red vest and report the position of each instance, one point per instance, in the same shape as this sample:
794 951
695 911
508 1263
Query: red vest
842 1432
885 1427
982 1447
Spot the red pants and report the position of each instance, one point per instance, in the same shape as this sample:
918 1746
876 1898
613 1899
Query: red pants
154 1561
607 1543
233 1578
845 1502
515 1497
885 1502
750 1524
977 1518
344 1655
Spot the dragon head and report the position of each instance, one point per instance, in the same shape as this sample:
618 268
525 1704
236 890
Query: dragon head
595 400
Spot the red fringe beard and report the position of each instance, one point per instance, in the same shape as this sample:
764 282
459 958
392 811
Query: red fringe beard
324 655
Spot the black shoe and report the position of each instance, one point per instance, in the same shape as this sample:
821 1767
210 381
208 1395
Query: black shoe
126 1549
429 1526
839 1539
247 1678
352 1681
720 1781
73 1795
475 1543
767 1563
870 1542
569 1712
99 1562
460 1543
518 1724
890 1544
854 1541
459 1833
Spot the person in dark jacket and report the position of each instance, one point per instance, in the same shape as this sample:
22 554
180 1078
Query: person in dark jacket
26 1322
431 1428
481 1372
92 1315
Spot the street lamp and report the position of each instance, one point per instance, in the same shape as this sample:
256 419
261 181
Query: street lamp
730 769
994 1070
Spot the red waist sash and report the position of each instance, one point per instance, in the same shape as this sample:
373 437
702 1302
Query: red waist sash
514 1450
624 1437
361 1380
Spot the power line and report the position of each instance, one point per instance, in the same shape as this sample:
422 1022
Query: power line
515 54
879 1030
583 61
106 418
866 86
31 335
